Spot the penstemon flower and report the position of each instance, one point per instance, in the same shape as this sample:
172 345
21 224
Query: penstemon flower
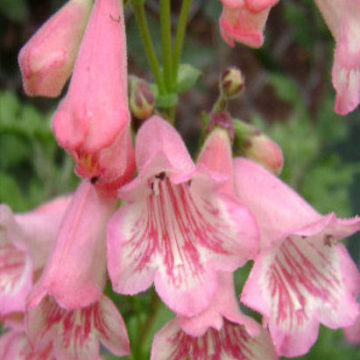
178 229
92 121
47 59
244 21
75 334
342 18
302 276
75 273
219 332
26 241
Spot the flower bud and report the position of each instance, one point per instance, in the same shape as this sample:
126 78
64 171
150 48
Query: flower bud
142 101
47 59
232 82
253 144
223 120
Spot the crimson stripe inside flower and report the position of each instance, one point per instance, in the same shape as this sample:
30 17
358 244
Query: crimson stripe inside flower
176 222
12 266
231 342
302 274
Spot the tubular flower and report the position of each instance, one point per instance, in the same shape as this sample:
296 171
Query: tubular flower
244 21
47 59
75 334
221 331
92 121
302 276
342 18
76 271
25 243
178 228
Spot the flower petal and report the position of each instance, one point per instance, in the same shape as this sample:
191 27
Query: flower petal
302 282
76 333
75 273
47 59
278 208
159 147
231 342
15 279
183 231
95 109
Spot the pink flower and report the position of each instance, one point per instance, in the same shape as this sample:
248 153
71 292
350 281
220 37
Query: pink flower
47 59
178 228
76 271
92 121
302 276
25 243
221 331
14 345
244 21
75 334
342 18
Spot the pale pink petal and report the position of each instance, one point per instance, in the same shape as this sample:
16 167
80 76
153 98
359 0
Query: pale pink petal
216 156
185 232
278 208
75 273
14 345
25 243
76 333
231 342
244 22
342 18
95 109
160 148
302 277
15 279
304 281
47 59
111 328
224 304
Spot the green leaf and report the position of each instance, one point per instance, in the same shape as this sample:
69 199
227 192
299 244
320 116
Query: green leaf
15 10
166 101
187 77
10 193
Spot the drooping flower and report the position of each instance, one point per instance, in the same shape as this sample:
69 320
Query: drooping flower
343 20
47 59
219 332
26 241
302 276
75 334
92 121
75 273
244 21
178 228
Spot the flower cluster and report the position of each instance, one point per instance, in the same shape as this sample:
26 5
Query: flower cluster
183 226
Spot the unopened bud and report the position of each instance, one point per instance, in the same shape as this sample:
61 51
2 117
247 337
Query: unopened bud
253 144
142 101
232 82
223 120
47 59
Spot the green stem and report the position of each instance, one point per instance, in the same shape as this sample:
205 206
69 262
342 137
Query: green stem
147 325
165 21
180 34
142 23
